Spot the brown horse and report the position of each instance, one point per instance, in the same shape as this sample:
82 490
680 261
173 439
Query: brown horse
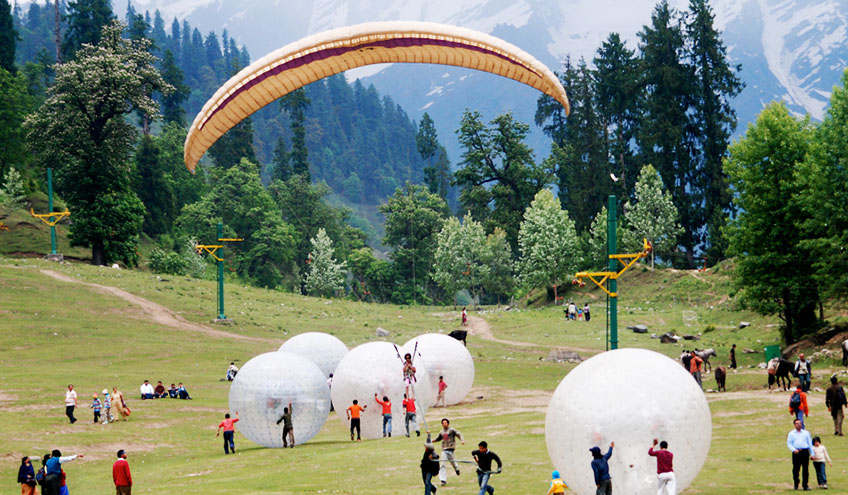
720 376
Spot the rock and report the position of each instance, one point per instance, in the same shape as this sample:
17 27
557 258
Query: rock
116 266
748 351
640 328
563 356
744 324
381 332
669 338
691 337
654 336
762 366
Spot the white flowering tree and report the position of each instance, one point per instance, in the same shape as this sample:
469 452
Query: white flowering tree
652 217
459 259
12 193
325 276
548 243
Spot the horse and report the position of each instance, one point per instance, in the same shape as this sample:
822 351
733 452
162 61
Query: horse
720 376
782 370
845 352
460 335
705 355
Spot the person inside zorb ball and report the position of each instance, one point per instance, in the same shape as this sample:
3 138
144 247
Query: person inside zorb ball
629 397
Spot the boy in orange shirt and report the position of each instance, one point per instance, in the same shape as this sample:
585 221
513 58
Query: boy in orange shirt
229 430
387 413
353 415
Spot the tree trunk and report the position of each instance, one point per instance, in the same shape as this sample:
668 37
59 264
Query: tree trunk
555 295
98 253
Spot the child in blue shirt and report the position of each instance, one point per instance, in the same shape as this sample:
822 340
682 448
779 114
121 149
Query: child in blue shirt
107 404
96 405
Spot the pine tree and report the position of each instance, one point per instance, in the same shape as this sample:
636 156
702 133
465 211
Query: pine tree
8 38
296 103
86 19
153 189
282 168
437 172
172 104
236 144
15 103
326 275
653 217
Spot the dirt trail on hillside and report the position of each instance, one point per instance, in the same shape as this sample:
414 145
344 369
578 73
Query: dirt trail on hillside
156 312
480 328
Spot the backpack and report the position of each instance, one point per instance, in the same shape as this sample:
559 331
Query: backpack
840 397
795 401
39 476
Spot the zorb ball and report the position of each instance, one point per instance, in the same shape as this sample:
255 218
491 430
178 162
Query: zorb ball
371 368
445 356
630 397
268 383
323 349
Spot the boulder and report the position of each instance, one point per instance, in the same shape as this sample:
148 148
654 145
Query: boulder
563 356
744 324
381 332
748 351
654 336
639 329
669 338
691 337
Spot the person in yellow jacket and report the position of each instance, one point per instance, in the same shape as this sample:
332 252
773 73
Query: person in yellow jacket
557 485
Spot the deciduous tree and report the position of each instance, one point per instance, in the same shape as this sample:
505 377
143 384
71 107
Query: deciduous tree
652 217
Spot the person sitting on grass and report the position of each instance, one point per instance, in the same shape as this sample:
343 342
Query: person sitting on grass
182 392
159 391
147 390
172 392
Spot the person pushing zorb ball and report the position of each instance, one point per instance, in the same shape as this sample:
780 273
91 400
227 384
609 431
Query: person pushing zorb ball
323 349
372 368
443 355
630 397
266 385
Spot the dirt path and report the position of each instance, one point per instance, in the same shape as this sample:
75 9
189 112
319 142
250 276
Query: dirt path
480 328
157 313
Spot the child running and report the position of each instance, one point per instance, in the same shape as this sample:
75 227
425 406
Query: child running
557 485
819 457
229 431
96 405
387 413
353 416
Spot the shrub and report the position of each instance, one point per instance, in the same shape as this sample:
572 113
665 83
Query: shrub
162 261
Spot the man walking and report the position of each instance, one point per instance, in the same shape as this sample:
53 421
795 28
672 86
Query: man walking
733 356
666 483
803 370
353 413
121 474
801 445
835 401
70 403
798 405
448 437
484 457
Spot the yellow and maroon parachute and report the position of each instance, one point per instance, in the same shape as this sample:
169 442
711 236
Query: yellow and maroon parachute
331 52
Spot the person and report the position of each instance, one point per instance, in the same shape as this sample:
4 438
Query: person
232 371
409 375
464 317
353 413
229 432
288 429
96 405
182 392
733 356
146 390
429 468
835 401
557 485
159 392
686 359
798 404
441 396
803 370
695 368
666 483
118 404
53 470
107 406
484 457
172 392
121 474
26 477
70 403
63 483
801 445
572 310
448 437
586 314
387 412
409 415
819 457
600 467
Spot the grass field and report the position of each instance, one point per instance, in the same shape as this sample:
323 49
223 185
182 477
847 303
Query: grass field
55 332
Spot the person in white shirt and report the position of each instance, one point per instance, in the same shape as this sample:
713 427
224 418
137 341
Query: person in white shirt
232 371
147 391
70 403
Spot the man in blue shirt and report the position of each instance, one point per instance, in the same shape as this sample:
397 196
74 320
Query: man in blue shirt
603 482
53 470
801 445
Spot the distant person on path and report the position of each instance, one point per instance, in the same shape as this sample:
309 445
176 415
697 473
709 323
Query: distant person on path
53 470
121 474
232 371
70 403
107 407
586 313
96 405
288 428
119 404
798 405
695 368
733 356
26 477
448 438
441 396
803 370
429 468
600 468
387 413
353 413
409 415
666 483
801 445
147 391
159 391
228 425
557 485
484 457
464 317
819 457
835 401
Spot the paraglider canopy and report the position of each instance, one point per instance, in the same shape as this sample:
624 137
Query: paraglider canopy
331 52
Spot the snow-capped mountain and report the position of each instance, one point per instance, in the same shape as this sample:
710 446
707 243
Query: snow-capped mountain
792 50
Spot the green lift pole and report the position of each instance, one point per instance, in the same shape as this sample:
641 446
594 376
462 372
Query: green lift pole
50 210
221 315
613 267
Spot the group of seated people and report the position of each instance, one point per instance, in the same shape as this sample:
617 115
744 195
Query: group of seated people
148 391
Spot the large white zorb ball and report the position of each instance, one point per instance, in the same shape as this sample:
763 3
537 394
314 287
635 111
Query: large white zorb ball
630 397
266 384
443 355
323 349
371 368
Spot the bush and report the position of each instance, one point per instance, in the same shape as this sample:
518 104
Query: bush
195 265
12 193
162 261
709 328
